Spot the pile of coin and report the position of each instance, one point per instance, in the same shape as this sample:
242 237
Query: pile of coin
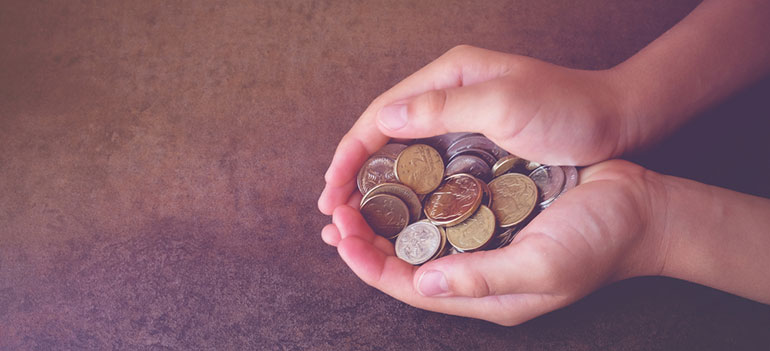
454 193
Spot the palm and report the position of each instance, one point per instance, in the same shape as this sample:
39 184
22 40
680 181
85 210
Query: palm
584 240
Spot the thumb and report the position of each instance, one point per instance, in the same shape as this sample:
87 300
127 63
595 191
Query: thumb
527 266
486 107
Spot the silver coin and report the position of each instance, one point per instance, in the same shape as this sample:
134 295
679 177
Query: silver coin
476 142
418 243
570 178
470 165
570 182
550 181
390 150
480 153
442 142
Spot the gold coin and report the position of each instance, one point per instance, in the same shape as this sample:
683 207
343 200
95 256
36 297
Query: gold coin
386 214
514 197
442 249
454 201
420 167
402 192
474 232
505 164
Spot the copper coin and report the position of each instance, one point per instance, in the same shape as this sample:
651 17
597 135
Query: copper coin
403 192
386 214
470 165
514 197
418 243
376 170
476 142
454 201
550 182
473 233
420 167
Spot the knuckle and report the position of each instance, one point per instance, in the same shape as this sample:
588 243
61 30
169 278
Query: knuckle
430 105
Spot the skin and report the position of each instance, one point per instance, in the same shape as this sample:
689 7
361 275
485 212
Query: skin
621 221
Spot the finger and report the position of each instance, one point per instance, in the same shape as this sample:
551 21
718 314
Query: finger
350 223
355 200
330 234
485 107
394 276
523 267
333 196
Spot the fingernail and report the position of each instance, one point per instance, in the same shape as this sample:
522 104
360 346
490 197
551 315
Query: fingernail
432 283
393 116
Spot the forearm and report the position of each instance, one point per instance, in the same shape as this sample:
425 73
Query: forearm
715 237
718 48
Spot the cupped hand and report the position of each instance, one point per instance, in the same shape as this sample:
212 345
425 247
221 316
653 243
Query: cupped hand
599 232
539 111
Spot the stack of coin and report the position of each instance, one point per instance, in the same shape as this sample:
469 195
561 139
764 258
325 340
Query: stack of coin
459 188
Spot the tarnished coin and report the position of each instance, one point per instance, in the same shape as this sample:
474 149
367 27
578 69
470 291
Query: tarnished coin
453 201
418 242
386 214
403 192
474 232
550 182
443 248
476 142
376 170
488 158
471 165
514 197
420 167
442 142
505 164
390 150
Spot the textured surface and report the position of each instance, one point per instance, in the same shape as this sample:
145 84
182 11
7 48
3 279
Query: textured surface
160 163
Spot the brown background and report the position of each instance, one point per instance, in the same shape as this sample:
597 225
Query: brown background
160 163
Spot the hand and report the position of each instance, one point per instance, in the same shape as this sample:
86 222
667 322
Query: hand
599 232
540 111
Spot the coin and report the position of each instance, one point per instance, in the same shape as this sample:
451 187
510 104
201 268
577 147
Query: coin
550 182
476 142
418 242
420 167
486 194
505 164
570 182
484 155
443 248
454 201
442 142
403 192
474 232
390 150
386 214
471 165
514 197
376 170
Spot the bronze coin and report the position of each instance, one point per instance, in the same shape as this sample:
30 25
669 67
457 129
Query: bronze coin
403 192
514 197
376 170
473 233
505 164
420 167
454 201
386 214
